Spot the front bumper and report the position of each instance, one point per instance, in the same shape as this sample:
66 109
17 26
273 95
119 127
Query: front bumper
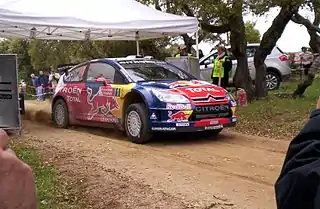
193 126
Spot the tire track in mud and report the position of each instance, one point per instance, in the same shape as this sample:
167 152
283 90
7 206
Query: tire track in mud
204 162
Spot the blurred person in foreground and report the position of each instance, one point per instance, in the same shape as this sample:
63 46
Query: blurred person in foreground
298 186
221 68
17 187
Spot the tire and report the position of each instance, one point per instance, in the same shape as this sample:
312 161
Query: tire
211 133
137 112
60 105
272 80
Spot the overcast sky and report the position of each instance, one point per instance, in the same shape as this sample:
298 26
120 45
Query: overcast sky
293 38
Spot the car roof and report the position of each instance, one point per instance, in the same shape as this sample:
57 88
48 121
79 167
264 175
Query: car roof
117 60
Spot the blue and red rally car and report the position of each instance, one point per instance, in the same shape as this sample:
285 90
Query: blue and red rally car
140 96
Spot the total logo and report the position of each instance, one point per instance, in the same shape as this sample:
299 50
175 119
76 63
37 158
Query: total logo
202 89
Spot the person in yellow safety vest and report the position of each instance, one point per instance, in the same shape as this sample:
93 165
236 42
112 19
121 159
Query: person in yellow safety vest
222 67
183 52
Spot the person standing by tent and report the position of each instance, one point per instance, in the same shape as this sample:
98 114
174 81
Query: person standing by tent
183 52
222 67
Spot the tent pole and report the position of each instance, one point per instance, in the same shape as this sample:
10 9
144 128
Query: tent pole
197 43
138 50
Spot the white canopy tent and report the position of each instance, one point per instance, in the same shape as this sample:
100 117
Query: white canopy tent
89 20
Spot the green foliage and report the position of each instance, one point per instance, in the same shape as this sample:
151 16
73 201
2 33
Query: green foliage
252 34
35 55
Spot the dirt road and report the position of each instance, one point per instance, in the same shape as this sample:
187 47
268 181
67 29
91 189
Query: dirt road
232 171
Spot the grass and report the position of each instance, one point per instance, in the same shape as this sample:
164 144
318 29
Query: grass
278 116
53 192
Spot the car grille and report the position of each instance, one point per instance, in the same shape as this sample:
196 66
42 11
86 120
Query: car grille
211 111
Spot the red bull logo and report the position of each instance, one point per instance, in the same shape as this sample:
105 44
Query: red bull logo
180 116
101 102
180 84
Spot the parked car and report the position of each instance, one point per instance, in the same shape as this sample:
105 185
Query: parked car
277 64
141 96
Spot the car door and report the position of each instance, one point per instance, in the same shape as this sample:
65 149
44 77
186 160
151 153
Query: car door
206 67
73 86
102 99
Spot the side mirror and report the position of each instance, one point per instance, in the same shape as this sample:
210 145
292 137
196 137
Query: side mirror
206 63
102 80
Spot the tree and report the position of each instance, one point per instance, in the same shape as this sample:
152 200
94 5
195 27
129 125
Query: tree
270 38
252 34
313 30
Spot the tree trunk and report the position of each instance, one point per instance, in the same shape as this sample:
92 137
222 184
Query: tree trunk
268 41
238 43
313 29
308 80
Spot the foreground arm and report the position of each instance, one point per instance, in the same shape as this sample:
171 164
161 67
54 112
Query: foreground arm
298 186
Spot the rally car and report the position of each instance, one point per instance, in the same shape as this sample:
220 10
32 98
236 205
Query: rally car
140 96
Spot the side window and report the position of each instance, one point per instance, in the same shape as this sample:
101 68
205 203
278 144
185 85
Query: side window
251 51
105 70
75 75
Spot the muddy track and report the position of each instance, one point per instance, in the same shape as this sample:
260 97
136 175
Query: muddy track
172 171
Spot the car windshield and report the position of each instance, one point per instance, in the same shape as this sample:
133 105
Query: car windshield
150 71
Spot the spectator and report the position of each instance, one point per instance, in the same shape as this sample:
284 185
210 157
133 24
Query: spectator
17 187
53 79
222 67
183 52
43 81
306 59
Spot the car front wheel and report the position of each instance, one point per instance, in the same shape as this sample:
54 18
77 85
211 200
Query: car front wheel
60 114
272 81
136 124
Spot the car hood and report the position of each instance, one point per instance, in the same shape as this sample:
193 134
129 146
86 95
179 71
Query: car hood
194 90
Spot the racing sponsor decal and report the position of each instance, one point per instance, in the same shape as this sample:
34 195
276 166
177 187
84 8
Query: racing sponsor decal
202 89
212 108
182 124
213 127
163 128
178 106
73 99
214 122
181 116
71 90
153 116
103 102
178 84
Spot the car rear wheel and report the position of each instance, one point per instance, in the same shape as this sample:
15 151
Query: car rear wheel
272 80
60 114
136 124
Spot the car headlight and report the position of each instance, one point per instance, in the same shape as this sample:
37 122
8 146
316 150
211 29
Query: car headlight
170 97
